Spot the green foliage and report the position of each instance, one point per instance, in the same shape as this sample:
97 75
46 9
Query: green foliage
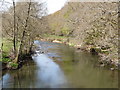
14 65
93 34
67 14
89 41
5 60
65 30
4 54
54 26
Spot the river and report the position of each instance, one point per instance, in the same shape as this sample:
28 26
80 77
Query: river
60 66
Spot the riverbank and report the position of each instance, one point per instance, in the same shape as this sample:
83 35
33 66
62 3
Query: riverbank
76 69
7 56
104 53
108 58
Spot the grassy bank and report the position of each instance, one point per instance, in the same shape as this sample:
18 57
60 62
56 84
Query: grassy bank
8 55
7 58
6 49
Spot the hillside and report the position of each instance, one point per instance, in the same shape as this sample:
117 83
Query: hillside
89 25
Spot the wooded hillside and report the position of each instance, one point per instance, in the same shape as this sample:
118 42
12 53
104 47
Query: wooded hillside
93 24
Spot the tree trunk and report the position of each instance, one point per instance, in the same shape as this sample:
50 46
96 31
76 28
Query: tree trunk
14 39
23 35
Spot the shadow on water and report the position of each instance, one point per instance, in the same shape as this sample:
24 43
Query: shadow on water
60 66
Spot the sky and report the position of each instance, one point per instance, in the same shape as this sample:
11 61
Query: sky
52 5
55 5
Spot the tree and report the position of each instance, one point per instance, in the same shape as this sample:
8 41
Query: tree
20 22
14 33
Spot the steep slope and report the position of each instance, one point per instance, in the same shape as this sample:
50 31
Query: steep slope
90 25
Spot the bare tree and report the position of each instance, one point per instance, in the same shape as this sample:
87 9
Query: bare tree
14 33
23 34
20 22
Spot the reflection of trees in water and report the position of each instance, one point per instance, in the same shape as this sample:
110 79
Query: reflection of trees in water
25 77
68 53
114 76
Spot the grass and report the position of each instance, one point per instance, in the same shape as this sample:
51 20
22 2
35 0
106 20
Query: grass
7 49
5 60
7 45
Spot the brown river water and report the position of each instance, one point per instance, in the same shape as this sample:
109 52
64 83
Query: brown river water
60 66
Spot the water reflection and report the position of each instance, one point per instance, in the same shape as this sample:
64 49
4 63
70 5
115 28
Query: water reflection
70 69
22 78
49 73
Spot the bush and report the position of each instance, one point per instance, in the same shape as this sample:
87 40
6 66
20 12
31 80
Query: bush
65 31
5 60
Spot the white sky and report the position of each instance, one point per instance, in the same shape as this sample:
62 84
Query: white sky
55 5
52 5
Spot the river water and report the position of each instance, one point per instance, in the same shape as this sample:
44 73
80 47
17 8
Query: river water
60 66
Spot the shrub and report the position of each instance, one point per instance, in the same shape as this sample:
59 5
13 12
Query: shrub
65 30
